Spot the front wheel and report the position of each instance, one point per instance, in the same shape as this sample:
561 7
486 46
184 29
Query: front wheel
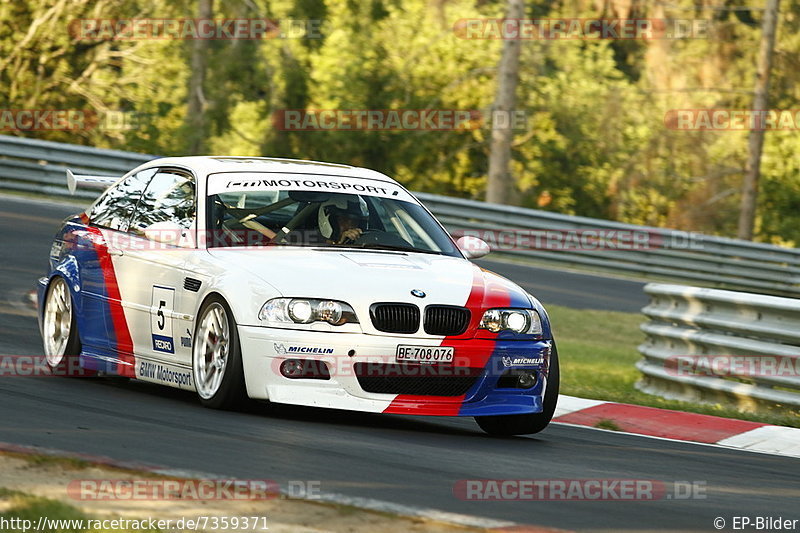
62 345
217 358
507 425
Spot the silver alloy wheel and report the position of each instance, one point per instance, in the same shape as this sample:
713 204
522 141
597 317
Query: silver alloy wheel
57 323
210 354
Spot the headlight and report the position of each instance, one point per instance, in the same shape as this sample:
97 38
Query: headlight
524 321
281 311
300 311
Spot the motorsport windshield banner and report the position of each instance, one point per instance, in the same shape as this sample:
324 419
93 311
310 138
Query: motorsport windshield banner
263 181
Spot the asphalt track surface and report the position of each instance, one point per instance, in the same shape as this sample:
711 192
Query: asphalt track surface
407 460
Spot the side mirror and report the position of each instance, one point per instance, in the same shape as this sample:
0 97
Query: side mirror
166 232
472 247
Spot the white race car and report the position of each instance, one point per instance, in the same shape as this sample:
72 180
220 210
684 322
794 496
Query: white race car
297 282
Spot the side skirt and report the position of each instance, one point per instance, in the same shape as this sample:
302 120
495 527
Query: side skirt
144 368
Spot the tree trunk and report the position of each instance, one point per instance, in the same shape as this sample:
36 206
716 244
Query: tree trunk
755 141
196 106
500 183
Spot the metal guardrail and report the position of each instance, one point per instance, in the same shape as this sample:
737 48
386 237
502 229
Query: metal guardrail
712 345
36 166
667 254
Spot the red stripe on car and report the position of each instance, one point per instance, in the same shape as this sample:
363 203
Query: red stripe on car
124 341
475 352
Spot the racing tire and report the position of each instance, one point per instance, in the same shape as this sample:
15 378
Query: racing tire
62 344
217 357
527 424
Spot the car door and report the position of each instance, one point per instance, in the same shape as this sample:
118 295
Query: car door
151 273
103 324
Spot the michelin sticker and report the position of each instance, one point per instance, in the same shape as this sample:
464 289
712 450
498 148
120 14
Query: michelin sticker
283 349
508 361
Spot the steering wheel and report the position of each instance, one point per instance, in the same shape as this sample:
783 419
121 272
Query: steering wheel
381 237
370 236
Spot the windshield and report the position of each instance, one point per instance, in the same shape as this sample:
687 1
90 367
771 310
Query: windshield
289 217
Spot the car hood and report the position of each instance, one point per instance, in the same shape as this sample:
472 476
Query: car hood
362 278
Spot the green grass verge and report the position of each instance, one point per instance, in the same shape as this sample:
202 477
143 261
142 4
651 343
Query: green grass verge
28 507
597 352
607 423
68 463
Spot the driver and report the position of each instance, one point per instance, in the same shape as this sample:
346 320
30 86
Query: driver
343 219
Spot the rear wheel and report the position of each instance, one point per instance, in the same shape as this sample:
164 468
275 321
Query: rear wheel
507 425
62 345
216 357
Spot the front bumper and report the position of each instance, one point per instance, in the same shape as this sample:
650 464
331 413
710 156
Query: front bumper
264 349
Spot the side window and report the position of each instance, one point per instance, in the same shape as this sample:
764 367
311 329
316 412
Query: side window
115 207
170 197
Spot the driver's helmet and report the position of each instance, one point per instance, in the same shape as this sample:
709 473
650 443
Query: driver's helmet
342 205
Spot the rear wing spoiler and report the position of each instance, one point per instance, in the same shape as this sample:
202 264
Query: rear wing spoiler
88 182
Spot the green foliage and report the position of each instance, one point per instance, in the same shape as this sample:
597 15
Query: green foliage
607 423
22 507
594 142
26 507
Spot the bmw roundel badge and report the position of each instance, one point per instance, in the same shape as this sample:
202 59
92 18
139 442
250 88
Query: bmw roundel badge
418 293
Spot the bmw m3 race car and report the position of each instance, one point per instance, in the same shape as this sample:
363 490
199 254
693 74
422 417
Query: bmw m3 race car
296 282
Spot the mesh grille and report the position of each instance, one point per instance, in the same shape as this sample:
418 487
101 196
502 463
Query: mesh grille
419 380
191 284
395 317
446 320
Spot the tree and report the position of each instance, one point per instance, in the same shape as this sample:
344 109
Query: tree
755 141
499 186
197 104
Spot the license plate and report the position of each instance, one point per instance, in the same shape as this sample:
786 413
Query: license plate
425 354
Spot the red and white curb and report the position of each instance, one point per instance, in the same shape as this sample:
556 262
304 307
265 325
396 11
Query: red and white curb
678 425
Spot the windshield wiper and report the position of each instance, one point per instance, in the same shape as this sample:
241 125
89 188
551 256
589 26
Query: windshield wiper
374 246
